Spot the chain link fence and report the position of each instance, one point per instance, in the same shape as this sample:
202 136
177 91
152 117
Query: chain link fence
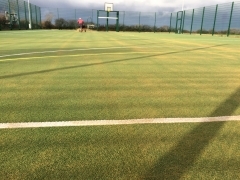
128 21
219 19
18 14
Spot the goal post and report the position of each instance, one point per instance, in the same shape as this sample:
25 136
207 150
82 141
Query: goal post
108 15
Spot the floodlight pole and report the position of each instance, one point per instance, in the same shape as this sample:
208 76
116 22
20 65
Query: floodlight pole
29 14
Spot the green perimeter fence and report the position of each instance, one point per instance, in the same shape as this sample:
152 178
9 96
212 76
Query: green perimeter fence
18 14
217 19
62 18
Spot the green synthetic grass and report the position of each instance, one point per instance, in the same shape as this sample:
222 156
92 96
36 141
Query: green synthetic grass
66 75
163 151
138 75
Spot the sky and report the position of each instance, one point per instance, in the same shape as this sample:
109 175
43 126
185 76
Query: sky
129 5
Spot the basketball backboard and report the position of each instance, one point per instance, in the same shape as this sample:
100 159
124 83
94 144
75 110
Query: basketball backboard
108 7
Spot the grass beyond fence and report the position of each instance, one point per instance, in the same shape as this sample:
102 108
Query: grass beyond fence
66 75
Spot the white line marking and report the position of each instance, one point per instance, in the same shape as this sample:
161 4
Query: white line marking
24 31
71 50
117 122
74 55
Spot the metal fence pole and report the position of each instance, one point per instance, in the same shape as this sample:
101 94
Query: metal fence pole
230 20
25 10
31 16
75 14
184 12
97 19
57 13
123 19
155 23
92 16
139 22
36 17
40 18
107 21
170 23
19 25
215 18
117 22
176 28
192 21
203 13
75 18
10 17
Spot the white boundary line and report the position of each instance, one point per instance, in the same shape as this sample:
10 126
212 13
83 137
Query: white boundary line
43 52
117 122
74 55
72 50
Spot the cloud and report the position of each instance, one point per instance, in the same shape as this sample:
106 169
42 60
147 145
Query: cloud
129 5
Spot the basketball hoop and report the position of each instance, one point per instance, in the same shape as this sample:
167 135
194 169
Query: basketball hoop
108 7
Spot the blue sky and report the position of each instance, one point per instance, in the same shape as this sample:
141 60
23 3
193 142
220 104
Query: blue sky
130 5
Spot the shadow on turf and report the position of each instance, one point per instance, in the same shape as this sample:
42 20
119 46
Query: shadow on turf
107 62
181 157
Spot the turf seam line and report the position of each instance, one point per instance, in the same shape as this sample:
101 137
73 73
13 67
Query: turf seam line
117 122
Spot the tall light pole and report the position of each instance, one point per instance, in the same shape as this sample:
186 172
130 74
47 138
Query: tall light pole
29 14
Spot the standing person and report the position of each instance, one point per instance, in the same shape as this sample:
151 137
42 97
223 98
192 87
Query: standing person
81 24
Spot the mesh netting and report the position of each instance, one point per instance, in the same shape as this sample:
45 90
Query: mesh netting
14 14
218 19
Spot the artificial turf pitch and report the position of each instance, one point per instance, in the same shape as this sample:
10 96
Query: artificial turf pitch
64 75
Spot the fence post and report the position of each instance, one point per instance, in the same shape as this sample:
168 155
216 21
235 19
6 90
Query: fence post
202 20
25 10
176 28
75 10
40 18
139 22
36 17
57 13
107 21
192 21
117 22
19 25
155 22
30 5
230 20
170 23
215 18
10 17
183 21
123 19
97 19
75 14
92 16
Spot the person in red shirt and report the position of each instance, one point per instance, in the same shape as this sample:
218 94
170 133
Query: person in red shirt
81 25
